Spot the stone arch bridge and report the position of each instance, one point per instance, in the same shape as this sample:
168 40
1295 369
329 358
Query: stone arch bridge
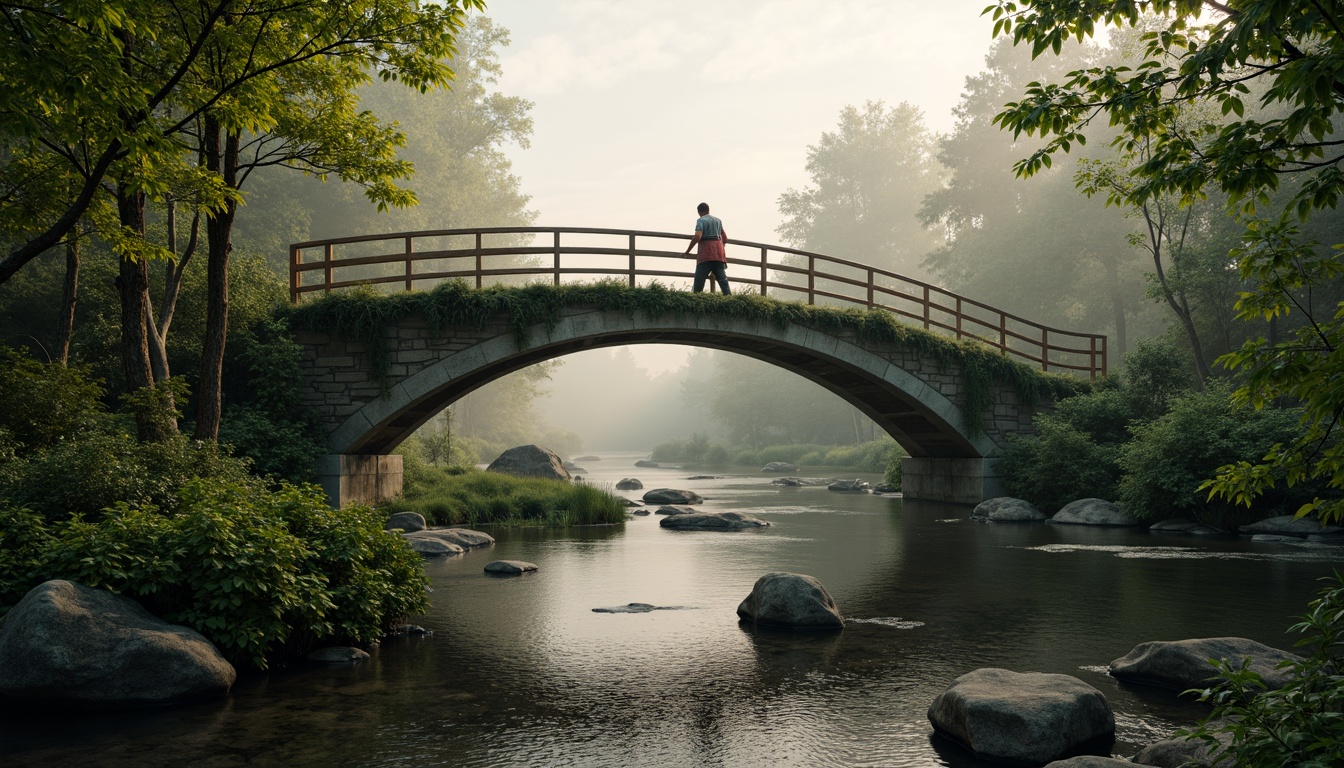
920 398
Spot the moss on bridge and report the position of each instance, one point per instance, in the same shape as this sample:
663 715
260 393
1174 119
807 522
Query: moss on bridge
364 314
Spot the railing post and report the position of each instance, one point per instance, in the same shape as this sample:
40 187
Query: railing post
1045 348
294 256
478 260
326 270
811 279
958 318
410 249
765 259
1003 333
1092 359
557 257
927 309
871 277
632 261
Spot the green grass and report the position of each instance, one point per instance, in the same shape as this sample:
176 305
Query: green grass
364 315
471 497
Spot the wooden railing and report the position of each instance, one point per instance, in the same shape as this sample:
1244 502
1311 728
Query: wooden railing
411 260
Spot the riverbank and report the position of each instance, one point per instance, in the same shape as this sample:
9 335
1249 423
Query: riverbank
472 497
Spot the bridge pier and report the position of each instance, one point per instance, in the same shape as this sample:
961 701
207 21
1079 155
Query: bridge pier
358 478
953 481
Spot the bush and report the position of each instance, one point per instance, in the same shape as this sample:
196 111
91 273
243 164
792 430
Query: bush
263 575
43 403
83 475
23 544
475 497
264 421
1299 724
1170 457
1057 465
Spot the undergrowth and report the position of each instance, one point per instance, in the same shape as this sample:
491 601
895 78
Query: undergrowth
463 496
364 315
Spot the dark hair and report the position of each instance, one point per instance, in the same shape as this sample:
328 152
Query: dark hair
702 208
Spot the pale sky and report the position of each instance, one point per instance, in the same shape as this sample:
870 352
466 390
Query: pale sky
646 107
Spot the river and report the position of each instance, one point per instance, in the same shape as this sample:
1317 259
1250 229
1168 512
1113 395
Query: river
522 672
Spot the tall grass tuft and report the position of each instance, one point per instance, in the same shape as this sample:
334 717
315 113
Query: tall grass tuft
473 497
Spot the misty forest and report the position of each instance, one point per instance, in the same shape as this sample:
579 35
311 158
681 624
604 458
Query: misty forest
297 466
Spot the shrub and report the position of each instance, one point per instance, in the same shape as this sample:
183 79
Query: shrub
44 402
1057 465
23 552
892 475
263 575
1299 724
1170 457
85 474
474 497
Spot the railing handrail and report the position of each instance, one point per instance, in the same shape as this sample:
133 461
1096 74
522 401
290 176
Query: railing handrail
923 292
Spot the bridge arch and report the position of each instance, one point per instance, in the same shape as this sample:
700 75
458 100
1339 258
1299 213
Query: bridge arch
920 399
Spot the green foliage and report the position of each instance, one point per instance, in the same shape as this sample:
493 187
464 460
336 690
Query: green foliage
82 476
892 474
1060 464
872 456
364 315
1169 457
1286 50
265 421
23 545
1300 724
43 403
463 496
263 575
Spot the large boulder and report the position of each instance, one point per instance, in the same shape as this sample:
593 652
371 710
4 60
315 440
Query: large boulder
1184 664
779 466
791 601
712 521
1290 525
1023 717
629 484
68 644
408 522
1093 512
432 547
668 509
1006 509
646 463
529 461
671 496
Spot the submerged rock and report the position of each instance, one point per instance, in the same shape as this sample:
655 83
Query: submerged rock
338 655
779 466
671 496
637 608
802 481
1181 753
646 463
409 522
791 601
1173 525
68 644
629 484
588 458
886 488
849 486
642 511
509 567
1006 509
530 461
432 547
1184 664
712 521
671 510
1289 525
462 537
705 477
573 469
1026 718
1093 512
1090 761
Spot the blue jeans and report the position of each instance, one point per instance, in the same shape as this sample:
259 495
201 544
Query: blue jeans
706 268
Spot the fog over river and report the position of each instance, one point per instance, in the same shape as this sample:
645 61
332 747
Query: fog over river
522 671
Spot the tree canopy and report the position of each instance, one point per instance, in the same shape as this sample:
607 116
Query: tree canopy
1273 69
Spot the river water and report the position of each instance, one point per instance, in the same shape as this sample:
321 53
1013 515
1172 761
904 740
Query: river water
522 672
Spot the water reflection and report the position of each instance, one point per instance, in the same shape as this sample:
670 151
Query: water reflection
521 671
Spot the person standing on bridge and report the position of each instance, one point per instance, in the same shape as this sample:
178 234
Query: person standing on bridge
711 258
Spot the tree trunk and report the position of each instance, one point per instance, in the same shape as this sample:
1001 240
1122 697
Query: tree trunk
69 297
219 230
1117 307
133 287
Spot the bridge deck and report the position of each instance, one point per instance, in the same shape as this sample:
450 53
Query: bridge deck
514 255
